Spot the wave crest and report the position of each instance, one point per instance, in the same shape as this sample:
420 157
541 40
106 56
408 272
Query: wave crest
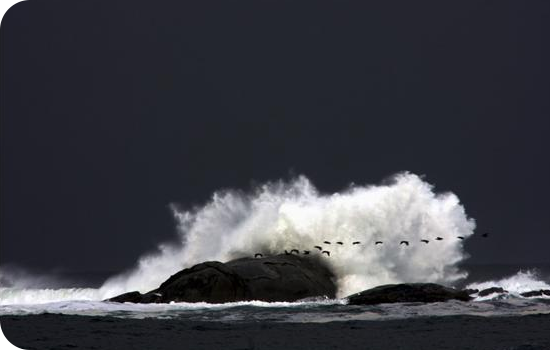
521 282
287 215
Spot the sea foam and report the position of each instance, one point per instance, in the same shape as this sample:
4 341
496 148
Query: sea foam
521 282
285 215
281 215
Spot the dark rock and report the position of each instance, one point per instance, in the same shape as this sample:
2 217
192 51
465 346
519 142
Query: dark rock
536 293
533 293
491 290
210 281
409 292
276 278
131 297
471 291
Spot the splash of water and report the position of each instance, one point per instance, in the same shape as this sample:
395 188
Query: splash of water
287 215
521 282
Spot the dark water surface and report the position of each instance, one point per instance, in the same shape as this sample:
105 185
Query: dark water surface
49 331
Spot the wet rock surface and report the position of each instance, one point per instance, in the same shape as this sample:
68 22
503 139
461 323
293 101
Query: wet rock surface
275 278
407 292
536 293
491 290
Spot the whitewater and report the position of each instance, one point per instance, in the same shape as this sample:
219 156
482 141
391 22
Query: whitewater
285 215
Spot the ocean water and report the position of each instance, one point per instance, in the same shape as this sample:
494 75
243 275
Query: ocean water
87 301
282 216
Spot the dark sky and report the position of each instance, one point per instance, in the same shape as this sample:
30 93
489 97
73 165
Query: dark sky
111 110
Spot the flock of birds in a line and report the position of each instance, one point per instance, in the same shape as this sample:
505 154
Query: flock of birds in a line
327 252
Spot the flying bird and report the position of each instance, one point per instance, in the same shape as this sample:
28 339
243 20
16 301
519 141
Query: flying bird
306 252
318 247
404 242
425 241
485 235
295 250
378 242
460 237
326 242
258 255
356 242
340 243
439 239
325 252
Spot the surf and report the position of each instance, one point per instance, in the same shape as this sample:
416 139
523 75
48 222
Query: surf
514 285
285 215
294 214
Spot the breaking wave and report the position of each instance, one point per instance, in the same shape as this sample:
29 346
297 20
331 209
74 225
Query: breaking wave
287 215
281 215
521 282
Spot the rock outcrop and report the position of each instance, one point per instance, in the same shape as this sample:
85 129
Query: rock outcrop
536 293
275 278
491 290
407 292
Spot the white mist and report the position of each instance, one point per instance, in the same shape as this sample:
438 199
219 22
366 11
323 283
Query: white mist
280 215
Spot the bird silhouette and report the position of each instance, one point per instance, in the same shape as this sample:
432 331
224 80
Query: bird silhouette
295 250
460 237
356 242
404 242
340 243
318 247
425 241
439 239
326 242
258 255
306 252
378 242
326 252
485 235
